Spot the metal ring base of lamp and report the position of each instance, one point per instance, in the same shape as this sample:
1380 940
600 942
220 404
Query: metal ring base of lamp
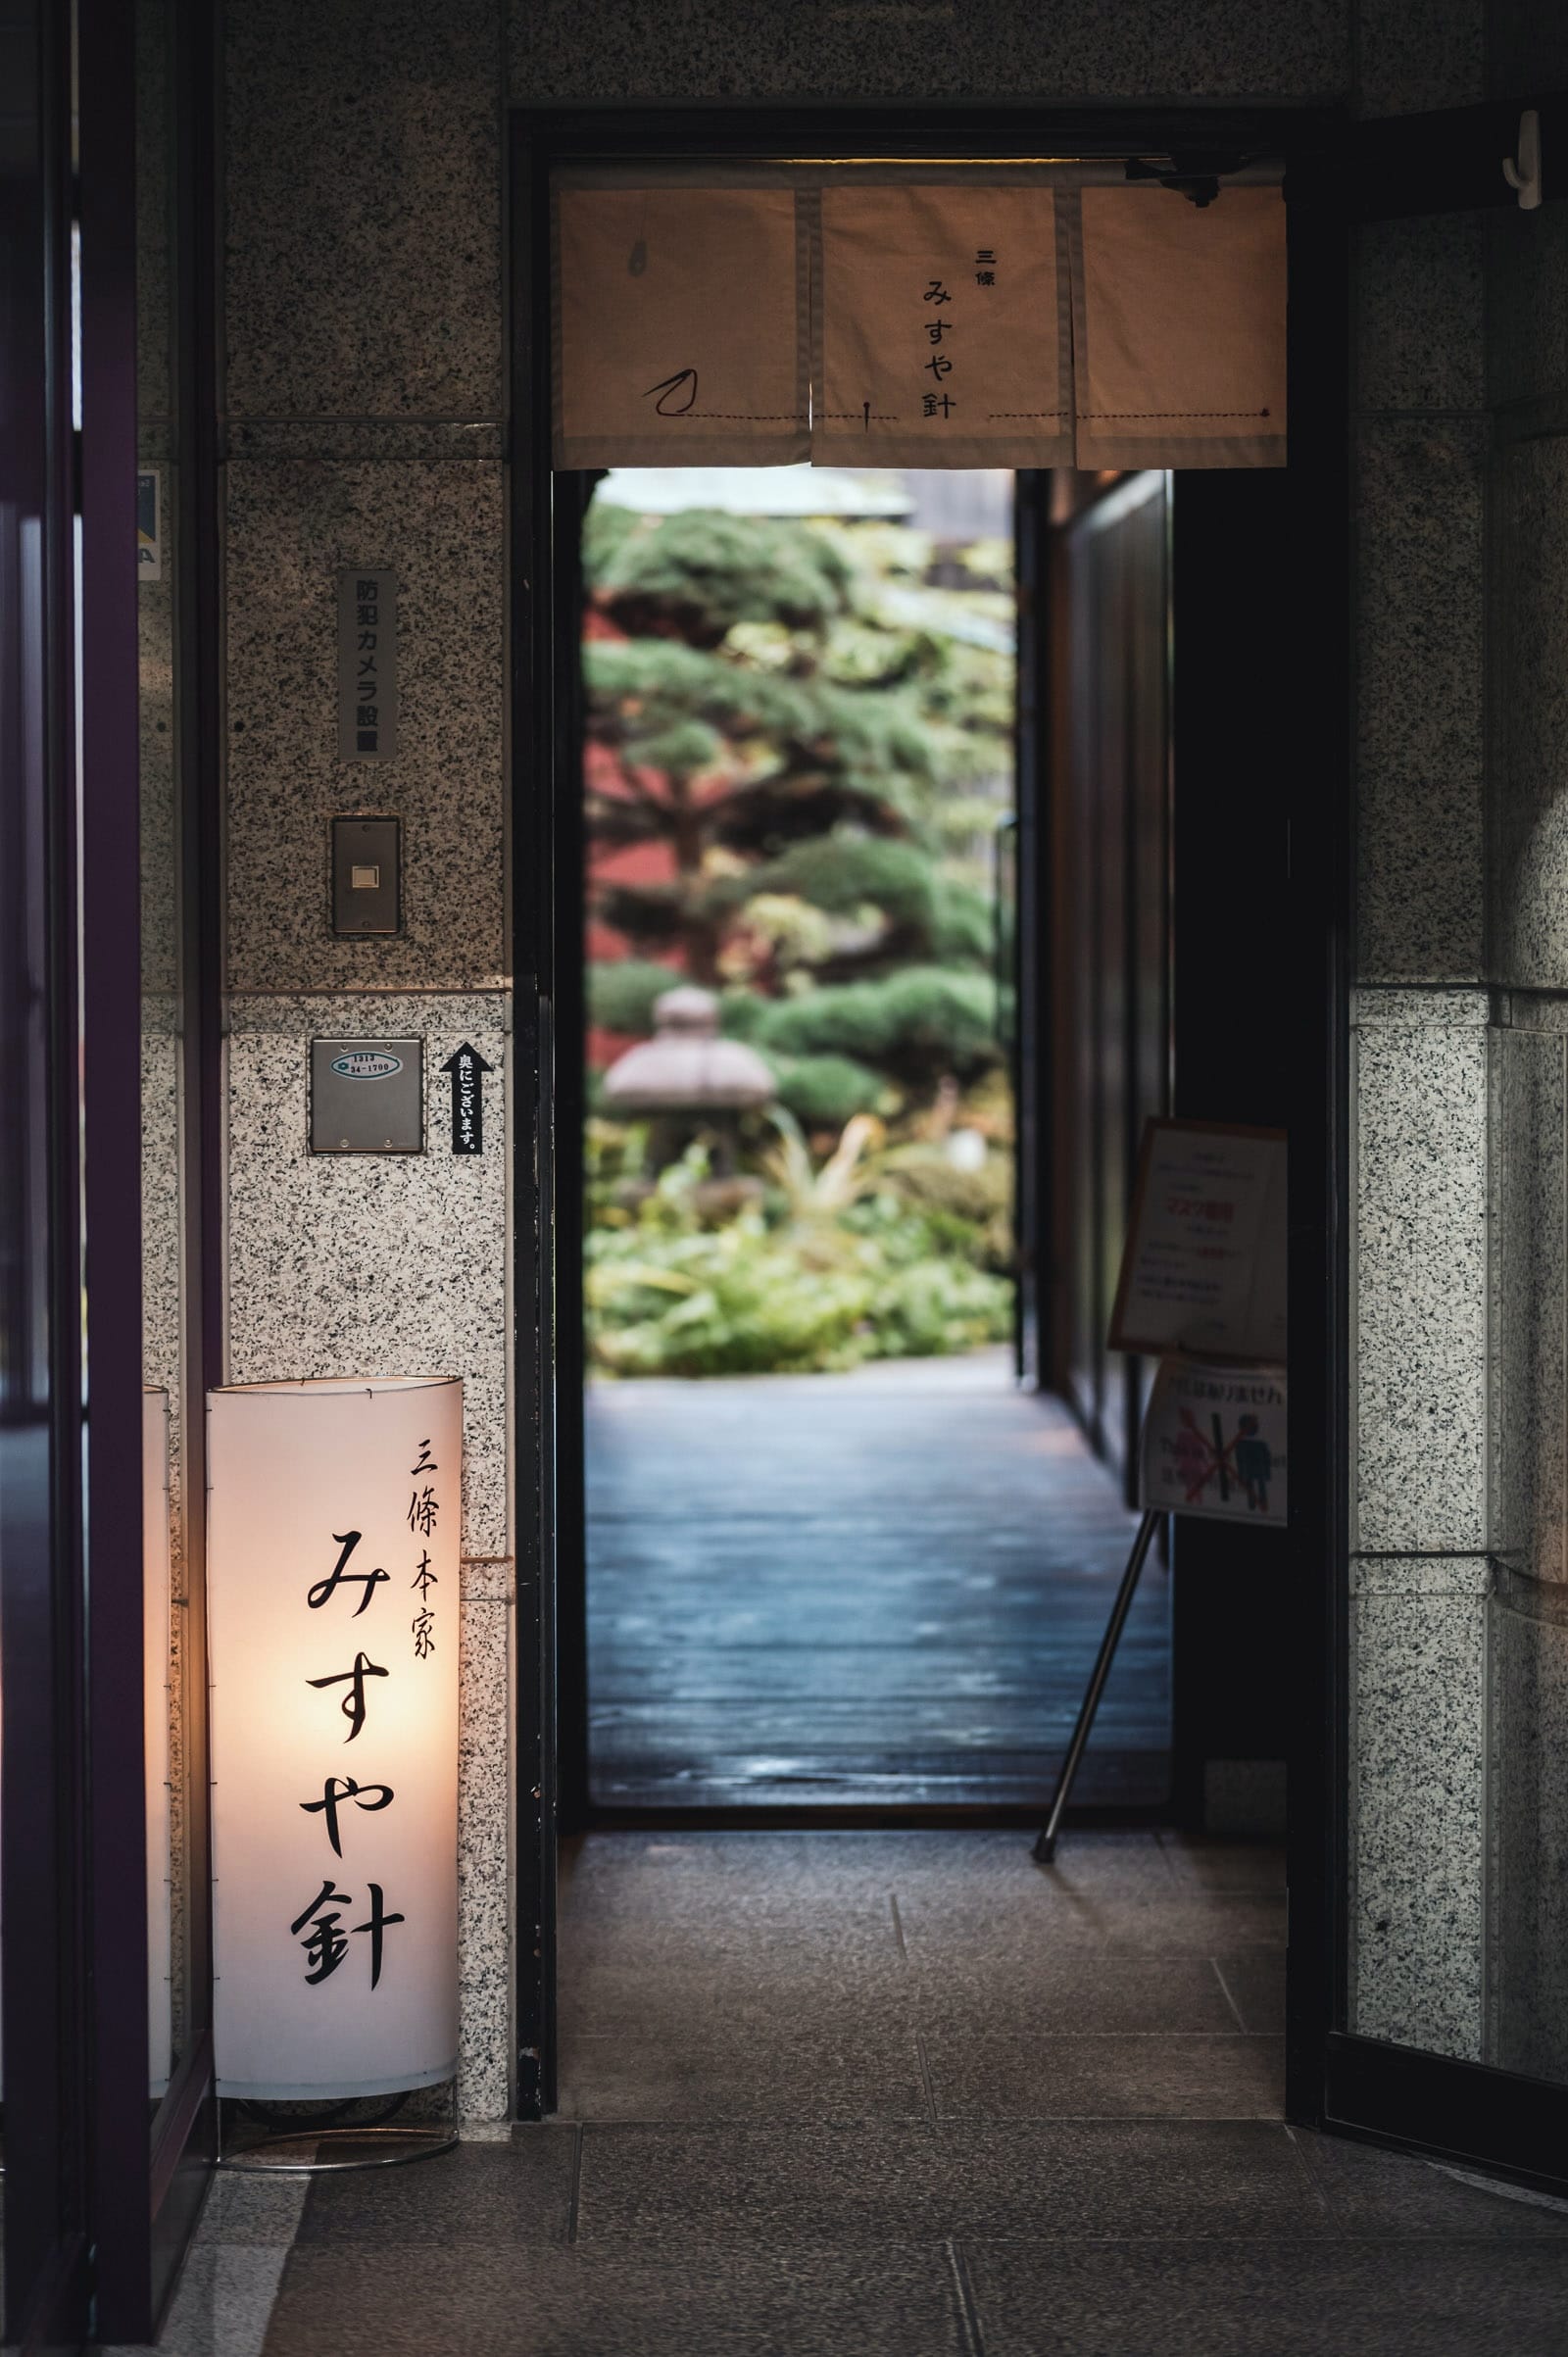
306 2147
397 2146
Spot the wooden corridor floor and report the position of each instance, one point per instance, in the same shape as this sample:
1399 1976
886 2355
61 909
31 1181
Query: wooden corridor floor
869 1591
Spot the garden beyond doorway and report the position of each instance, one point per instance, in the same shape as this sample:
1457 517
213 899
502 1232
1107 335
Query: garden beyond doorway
836 1558
799 788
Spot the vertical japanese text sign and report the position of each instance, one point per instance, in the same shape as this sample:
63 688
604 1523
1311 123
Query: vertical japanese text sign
333 1581
942 341
366 666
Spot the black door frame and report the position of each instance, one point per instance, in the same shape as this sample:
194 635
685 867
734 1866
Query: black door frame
1312 762
99 2198
43 1989
102 2193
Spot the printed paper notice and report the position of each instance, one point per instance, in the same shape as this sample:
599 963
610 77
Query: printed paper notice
1203 1270
1214 1443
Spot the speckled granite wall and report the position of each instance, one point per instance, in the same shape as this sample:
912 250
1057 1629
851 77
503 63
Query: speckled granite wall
1528 1987
364 393
1417 1715
1527 259
1425 1079
1421 1272
292 525
1460 1810
745 51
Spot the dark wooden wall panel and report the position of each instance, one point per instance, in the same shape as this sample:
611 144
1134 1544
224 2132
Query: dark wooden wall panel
1111 1021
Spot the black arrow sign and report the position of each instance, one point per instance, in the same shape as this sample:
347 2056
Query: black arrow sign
467 1069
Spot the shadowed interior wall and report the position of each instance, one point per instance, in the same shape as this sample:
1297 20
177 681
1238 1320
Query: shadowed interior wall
365 426
1526 1993
1460 1609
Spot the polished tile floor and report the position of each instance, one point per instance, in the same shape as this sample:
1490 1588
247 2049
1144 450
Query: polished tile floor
897 2096
860 1591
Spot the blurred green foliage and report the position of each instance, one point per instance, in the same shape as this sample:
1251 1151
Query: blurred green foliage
623 993
672 1289
813 720
917 1021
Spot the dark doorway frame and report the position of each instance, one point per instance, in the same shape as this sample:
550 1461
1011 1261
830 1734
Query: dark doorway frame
44 1998
1311 760
102 2193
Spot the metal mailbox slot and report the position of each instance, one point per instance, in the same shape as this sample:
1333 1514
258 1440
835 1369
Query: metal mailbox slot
366 1096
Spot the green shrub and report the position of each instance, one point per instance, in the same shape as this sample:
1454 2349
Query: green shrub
936 1306
670 1291
924 1175
707 569
824 1092
728 1302
962 926
621 992
920 1019
605 529
845 872
742 1012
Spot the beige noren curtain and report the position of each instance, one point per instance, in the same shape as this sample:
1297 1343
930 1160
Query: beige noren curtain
941 337
908 315
1179 329
680 327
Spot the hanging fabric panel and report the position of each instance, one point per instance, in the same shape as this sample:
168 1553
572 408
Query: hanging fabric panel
1179 328
941 328
681 326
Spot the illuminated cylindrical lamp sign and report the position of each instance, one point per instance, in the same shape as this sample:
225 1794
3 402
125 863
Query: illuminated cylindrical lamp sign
334 1516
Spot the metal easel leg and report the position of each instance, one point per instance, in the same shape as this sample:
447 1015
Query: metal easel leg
1044 1848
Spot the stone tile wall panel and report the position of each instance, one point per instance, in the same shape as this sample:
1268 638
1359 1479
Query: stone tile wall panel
1416 1803
1420 713
1529 1299
1413 55
292 526
1530 792
1419 1273
385 1264
363 248
1529 1954
748 50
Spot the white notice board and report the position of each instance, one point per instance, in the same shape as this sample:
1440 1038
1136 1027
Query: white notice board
1203 1270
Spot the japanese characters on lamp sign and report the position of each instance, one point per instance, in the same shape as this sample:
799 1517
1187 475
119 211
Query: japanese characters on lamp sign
366 666
334 1582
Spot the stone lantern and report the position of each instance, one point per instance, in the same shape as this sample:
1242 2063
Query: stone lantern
687 1082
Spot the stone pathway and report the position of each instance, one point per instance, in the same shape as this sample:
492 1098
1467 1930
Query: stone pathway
866 2094
868 1590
